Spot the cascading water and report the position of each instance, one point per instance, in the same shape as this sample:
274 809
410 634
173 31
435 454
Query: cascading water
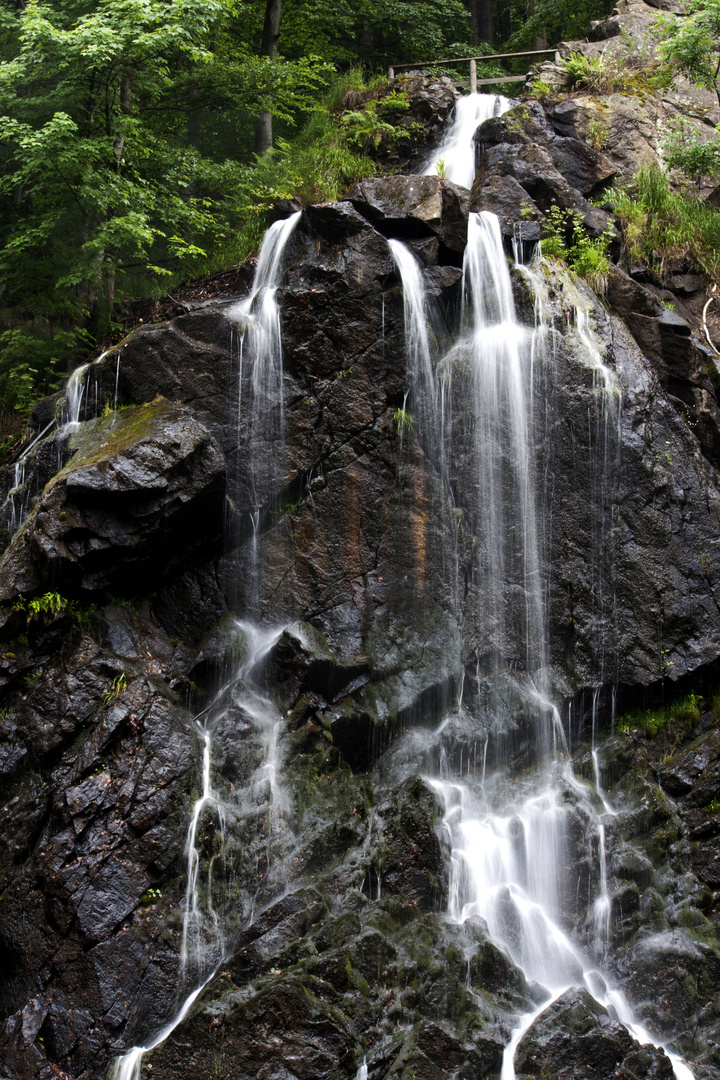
25 485
457 151
260 374
417 338
511 839
257 813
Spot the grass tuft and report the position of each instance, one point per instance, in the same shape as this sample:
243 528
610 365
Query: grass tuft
662 224
681 715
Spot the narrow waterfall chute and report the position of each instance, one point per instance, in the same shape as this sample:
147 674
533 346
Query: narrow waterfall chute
260 376
457 150
501 352
204 933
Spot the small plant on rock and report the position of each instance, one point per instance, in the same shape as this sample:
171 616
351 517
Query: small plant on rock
403 421
117 687
50 605
565 238
597 133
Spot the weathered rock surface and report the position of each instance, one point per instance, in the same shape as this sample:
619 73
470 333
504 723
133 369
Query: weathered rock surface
337 945
97 753
577 1037
411 207
143 490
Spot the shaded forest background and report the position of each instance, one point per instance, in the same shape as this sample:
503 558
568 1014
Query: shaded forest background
129 152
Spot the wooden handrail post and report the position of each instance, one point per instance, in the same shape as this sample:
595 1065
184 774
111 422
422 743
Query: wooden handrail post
391 75
473 76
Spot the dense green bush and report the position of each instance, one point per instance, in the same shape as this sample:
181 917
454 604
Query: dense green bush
565 238
661 222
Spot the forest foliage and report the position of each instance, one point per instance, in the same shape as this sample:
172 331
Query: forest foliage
127 144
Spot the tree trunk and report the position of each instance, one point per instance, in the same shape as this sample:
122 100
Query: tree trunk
193 123
269 47
475 33
484 16
126 109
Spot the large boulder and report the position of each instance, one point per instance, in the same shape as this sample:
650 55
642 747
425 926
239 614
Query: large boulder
534 170
414 206
142 492
575 1036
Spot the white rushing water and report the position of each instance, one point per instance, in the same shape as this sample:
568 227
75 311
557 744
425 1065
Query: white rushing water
259 810
203 936
512 840
260 379
25 486
457 150
258 317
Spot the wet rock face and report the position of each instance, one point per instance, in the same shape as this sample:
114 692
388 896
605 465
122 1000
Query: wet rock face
138 494
347 952
411 207
97 760
577 1037
650 491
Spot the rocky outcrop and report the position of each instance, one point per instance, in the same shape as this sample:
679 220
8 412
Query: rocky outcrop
142 491
415 206
575 1033
127 617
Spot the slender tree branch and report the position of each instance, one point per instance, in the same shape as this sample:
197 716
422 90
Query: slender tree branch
706 331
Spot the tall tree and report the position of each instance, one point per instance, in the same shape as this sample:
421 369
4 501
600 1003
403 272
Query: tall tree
481 16
269 48
121 126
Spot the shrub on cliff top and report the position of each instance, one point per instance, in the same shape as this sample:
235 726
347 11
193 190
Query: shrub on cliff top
660 223
565 238
626 71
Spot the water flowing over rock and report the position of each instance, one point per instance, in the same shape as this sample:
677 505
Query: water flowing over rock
307 676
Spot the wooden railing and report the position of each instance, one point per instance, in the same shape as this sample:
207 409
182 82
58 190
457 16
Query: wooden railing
473 61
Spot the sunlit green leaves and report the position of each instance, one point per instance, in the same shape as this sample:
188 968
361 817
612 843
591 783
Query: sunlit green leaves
692 44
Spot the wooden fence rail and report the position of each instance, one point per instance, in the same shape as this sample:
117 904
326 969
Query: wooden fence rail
473 61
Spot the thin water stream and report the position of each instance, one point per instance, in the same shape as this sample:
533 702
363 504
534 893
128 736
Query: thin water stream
260 808
511 839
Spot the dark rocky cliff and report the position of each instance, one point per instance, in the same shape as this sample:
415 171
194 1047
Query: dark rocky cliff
147 541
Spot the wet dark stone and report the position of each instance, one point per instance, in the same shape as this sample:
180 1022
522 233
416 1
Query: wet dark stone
413 864
141 485
285 1023
534 170
412 207
575 1033
98 779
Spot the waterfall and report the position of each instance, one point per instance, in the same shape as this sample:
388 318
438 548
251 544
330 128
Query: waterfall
260 807
19 500
457 150
260 379
511 839
423 386
258 813
502 414
511 836
260 358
